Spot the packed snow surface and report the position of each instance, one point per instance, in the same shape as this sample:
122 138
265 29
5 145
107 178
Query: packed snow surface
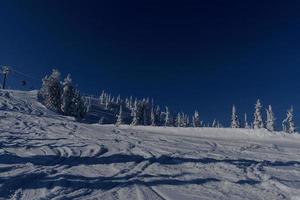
44 155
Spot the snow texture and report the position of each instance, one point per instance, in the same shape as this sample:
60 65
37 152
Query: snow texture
44 155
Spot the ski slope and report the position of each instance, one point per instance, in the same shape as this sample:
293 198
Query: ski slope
48 156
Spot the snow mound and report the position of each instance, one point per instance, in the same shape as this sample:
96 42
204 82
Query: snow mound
47 156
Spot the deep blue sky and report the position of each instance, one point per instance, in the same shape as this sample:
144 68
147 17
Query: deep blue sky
204 55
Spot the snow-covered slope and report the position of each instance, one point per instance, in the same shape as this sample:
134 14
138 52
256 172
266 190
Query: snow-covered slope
47 156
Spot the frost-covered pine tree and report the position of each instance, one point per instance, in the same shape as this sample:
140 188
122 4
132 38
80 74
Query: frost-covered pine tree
50 92
102 97
270 123
153 117
167 117
80 108
258 122
130 102
68 106
135 114
187 121
118 101
234 119
214 124
246 122
178 120
107 101
196 121
119 117
157 116
145 118
288 122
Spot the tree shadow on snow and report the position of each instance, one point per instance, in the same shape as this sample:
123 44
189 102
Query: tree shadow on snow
50 179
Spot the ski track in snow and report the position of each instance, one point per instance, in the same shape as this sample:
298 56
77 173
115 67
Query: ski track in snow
47 156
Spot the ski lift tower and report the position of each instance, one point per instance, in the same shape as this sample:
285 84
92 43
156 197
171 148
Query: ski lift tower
5 71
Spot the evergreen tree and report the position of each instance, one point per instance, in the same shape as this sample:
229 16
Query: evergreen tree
214 124
288 123
119 117
80 109
167 117
68 106
196 121
145 117
246 122
187 121
234 119
153 117
258 122
157 116
178 120
118 101
50 92
270 124
135 114
102 97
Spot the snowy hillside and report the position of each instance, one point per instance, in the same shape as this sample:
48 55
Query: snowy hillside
48 156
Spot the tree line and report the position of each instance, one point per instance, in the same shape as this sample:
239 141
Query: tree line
288 123
63 97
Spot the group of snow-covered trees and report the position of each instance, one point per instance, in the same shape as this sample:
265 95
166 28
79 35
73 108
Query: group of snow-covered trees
144 112
61 96
288 124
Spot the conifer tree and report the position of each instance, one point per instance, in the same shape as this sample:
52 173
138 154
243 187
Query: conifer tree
80 108
196 122
119 117
258 122
153 117
234 119
158 116
68 106
135 114
214 124
102 97
288 123
50 92
178 120
246 122
167 117
270 124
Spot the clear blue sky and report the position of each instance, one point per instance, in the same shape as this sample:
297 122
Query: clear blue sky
204 55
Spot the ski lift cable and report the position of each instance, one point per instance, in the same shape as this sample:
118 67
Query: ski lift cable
20 73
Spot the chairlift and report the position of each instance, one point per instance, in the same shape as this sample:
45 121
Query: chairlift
23 82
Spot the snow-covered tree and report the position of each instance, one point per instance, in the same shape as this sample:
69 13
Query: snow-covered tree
288 123
50 92
196 119
214 124
178 120
145 116
102 97
80 108
258 122
153 117
118 101
120 117
167 117
187 121
158 116
135 114
234 119
68 106
246 122
270 124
